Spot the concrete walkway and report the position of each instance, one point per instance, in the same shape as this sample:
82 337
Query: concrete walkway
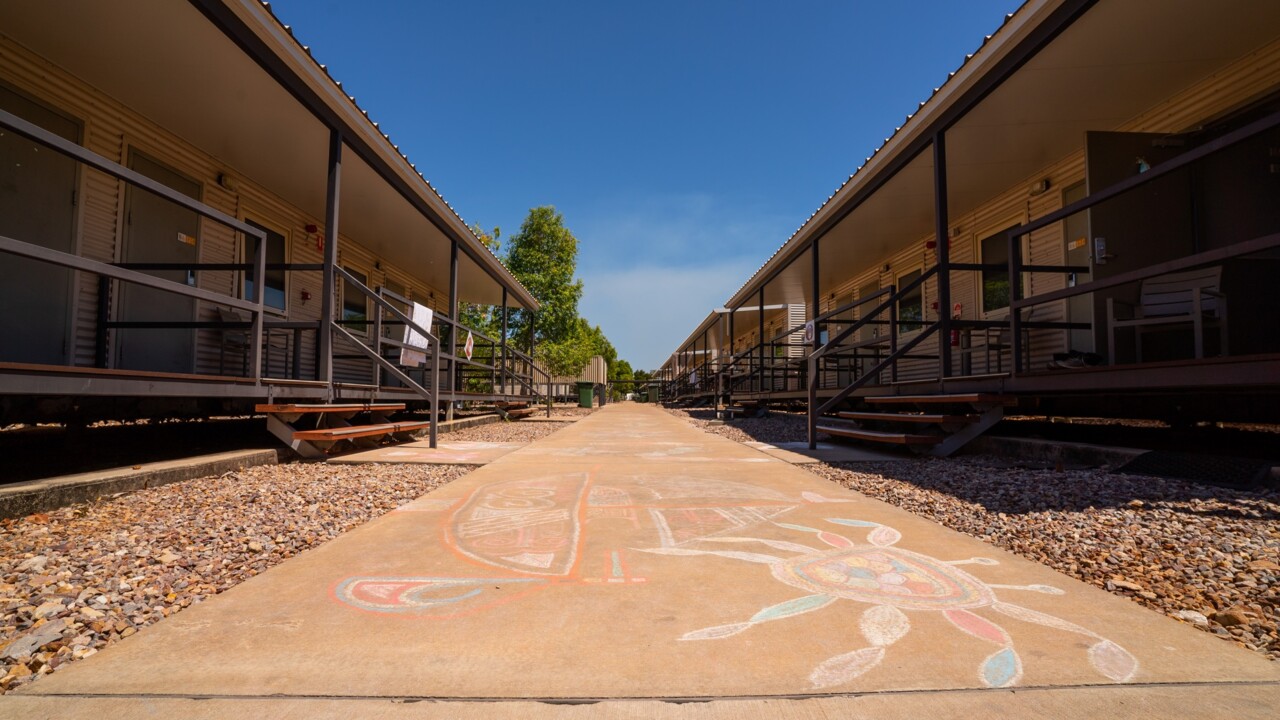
634 560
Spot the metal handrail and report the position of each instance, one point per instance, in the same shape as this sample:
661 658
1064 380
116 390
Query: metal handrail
866 377
375 353
87 157
896 352
891 302
401 376
84 155
1016 268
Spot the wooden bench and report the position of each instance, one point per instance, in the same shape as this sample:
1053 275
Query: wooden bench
1192 297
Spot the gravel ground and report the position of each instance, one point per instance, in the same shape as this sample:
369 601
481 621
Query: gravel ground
80 578
1207 556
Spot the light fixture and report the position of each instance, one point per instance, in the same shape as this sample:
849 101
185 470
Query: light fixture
1040 188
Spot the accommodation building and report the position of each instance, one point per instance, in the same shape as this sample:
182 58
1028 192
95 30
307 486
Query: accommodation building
161 157
1062 226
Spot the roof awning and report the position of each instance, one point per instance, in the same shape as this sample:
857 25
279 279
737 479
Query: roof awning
170 63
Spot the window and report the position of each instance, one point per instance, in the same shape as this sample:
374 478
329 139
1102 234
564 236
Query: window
355 306
910 305
273 287
995 283
391 326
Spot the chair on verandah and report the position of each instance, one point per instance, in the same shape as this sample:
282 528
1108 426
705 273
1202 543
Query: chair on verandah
238 341
1193 297
999 340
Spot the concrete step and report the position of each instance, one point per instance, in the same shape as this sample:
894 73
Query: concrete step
952 399
358 431
876 436
929 418
305 409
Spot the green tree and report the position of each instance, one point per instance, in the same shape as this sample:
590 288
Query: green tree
622 371
599 344
543 256
483 318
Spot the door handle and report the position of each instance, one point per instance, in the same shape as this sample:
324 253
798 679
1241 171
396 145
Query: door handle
1100 255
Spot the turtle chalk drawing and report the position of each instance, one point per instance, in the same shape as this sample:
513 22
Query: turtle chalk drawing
894 582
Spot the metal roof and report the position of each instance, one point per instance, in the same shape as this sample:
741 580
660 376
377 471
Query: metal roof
912 122
528 300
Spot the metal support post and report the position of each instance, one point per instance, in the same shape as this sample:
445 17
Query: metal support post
503 375
259 286
328 290
941 234
453 332
811 365
1015 314
729 398
435 392
706 358
812 415
760 370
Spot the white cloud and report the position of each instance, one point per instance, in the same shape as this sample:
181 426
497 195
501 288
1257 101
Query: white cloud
647 310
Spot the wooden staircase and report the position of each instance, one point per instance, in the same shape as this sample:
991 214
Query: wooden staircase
747 409
326 427
514 410
937 425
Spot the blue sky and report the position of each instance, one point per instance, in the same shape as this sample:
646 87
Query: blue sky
683 141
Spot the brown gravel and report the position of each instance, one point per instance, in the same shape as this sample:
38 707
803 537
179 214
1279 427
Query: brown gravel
1207 556
78 579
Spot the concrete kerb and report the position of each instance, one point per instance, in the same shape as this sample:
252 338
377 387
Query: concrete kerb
20 499
1053 451
26 498
449 426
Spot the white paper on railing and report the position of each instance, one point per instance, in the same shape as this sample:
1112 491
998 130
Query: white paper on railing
422 317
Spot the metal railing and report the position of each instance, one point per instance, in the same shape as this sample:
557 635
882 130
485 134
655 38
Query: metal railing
1017 267
375 353
255 306
256 323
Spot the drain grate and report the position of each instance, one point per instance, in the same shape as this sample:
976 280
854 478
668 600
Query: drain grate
1232 472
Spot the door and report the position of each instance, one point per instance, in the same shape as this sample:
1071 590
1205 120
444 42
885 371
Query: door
37 206
1140 228
392 329
1075 233
158 231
